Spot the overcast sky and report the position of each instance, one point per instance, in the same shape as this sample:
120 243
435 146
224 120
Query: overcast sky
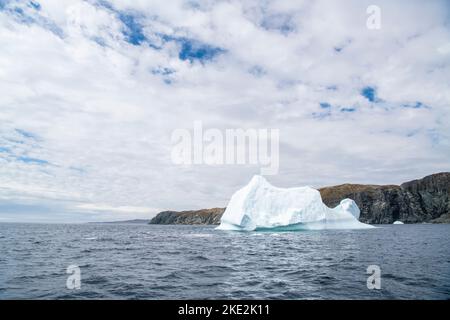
91 91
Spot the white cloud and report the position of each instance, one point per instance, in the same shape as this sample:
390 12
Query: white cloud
444 49
100 109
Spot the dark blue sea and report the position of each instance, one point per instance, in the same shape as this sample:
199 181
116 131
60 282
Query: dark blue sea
138 261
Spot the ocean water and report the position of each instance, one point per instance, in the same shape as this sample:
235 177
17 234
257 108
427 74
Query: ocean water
198 262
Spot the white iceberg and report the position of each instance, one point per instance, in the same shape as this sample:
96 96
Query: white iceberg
259 205
398 222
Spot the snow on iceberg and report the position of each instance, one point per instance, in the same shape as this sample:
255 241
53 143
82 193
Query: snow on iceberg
259 206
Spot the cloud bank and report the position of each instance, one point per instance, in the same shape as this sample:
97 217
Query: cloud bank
90 92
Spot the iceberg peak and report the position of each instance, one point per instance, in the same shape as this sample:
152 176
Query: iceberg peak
259 205
258 180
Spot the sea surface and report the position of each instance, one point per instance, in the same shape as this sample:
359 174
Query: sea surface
138 261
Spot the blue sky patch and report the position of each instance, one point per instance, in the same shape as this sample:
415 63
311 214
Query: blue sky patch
30 15
348 109
26 134
133 30
192 50
283 23
30 160
327 110
321 115
370 94
21 16
417 105
163 71
35 5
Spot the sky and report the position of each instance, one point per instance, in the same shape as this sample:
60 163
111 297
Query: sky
91 91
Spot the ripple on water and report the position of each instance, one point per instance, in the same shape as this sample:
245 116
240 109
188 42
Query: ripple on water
199 258
148 261
199 235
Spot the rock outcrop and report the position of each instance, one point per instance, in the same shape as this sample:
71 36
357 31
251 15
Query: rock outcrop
417 201
424 200
204 216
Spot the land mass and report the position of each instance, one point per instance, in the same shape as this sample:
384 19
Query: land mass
417 201
134 221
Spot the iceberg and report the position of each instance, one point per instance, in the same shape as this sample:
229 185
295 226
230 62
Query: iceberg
259 206
398 222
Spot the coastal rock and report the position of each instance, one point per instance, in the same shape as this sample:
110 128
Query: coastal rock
424 200
417 201
204 216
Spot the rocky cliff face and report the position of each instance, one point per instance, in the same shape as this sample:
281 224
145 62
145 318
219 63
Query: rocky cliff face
423 200
205 216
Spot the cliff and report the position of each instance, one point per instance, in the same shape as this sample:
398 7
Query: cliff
424 200
204 216
417 201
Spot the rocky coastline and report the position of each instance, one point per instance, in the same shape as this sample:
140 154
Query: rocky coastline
425 200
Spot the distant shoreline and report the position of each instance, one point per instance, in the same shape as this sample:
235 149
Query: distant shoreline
133 221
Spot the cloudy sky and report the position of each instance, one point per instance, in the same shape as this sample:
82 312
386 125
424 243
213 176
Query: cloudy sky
91 91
